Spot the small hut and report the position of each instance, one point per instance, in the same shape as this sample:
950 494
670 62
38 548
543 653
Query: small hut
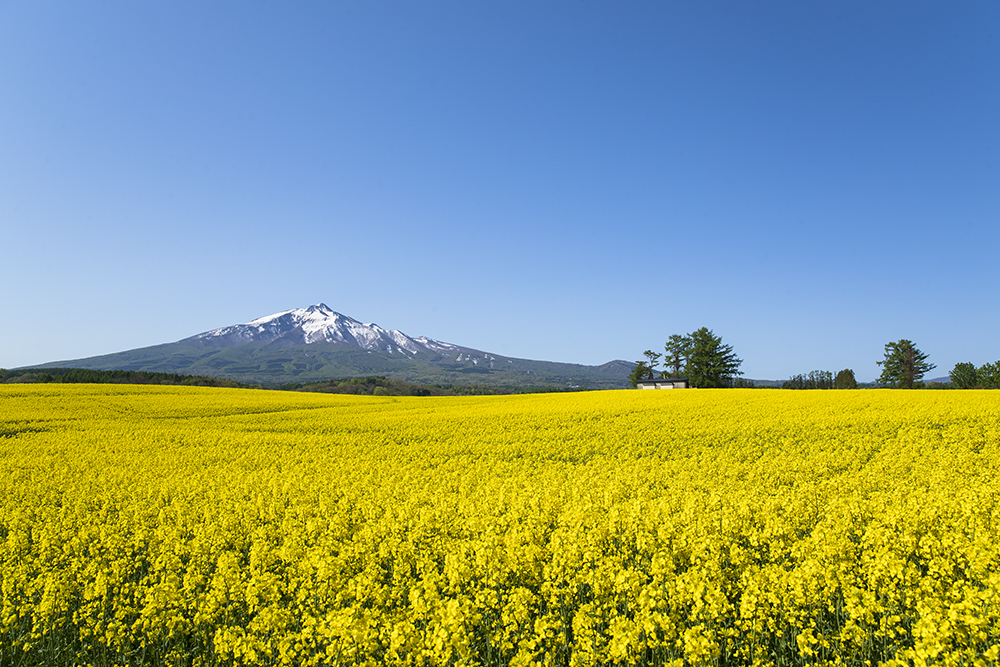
663 383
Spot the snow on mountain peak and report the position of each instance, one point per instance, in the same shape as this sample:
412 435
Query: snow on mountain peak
319 324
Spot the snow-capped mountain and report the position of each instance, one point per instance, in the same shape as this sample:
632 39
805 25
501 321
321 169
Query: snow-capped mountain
319 324
317 343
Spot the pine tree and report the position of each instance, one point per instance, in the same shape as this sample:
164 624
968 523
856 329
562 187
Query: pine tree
678 349
904 365
652 360
710 362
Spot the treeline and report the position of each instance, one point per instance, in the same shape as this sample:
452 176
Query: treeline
88 376
904 367
965 375
383 386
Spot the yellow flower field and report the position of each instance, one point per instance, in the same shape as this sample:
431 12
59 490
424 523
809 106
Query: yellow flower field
187 526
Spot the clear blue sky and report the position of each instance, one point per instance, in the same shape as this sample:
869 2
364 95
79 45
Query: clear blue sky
569 181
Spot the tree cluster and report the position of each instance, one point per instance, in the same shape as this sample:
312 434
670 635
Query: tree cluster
811 380
965 375
822 380
705 361
700 356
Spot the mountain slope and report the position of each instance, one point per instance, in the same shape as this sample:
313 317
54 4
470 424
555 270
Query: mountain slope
317 343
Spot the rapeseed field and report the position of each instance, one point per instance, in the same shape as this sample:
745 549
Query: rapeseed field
187 526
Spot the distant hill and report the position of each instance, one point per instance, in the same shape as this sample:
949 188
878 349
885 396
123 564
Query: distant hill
317 343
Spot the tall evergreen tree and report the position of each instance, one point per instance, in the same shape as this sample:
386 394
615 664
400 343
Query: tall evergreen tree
710 362
652 359
678 348
904 365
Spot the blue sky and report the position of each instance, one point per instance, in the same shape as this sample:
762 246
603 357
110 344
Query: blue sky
569 181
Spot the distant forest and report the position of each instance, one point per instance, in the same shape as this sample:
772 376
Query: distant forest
85 375
382 386
370 386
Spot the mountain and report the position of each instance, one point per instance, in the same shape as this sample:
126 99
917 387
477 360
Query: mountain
317 324
317 343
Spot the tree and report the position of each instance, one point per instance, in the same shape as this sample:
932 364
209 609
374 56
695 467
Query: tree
989 375
652 359
964 375
642 371
678 349
904 365
845 380
710 363
795 382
